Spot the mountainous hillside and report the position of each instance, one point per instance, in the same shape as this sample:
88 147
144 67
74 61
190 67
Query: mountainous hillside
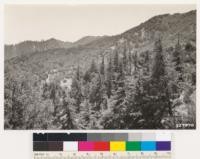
165 26
141 38
86 40
46 69
28 47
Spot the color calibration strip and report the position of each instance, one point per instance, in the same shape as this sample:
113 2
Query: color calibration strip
111 142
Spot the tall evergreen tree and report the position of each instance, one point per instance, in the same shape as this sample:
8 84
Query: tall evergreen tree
96 94
120 93
109 78
65 118
146 63
76 94
119 103
154 100
177 60
135 99
125 57
102 67
135 62
86 76
93 67
17 108
85 115
158 69
116 61
78 73
130 61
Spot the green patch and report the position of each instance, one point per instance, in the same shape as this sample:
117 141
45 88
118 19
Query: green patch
133 146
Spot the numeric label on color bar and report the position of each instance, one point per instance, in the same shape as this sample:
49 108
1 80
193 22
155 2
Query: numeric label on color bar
102 145
102 155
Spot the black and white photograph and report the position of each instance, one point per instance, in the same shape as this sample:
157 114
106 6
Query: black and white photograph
98 67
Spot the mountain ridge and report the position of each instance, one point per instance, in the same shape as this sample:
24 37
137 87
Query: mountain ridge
141 38
151 30
31 46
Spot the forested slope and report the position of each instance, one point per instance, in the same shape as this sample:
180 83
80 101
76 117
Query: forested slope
144 78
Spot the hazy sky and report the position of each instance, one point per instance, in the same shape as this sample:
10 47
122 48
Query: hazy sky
71 22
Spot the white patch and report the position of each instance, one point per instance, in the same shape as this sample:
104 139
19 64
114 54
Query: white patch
112 47
66 83
142 33
48 79
122 40
136 34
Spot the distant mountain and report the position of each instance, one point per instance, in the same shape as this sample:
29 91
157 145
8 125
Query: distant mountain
28 47
61 55
87 39
167 26
141 38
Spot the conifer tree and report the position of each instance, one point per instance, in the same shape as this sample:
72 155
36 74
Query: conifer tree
75 91
109 78
53 96
119 103
135 62
65 118
158 69
78 73
124 58
17 108
120 93
86 76
130 61
93 67
154 98
116 61
135 102
102 67
146 63
177 60
85 114
96 94
17 98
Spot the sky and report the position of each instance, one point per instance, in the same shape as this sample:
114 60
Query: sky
72 22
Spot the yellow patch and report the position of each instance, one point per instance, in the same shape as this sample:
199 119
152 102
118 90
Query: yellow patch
117 146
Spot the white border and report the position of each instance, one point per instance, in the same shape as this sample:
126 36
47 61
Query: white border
77 2
9 139
73 2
